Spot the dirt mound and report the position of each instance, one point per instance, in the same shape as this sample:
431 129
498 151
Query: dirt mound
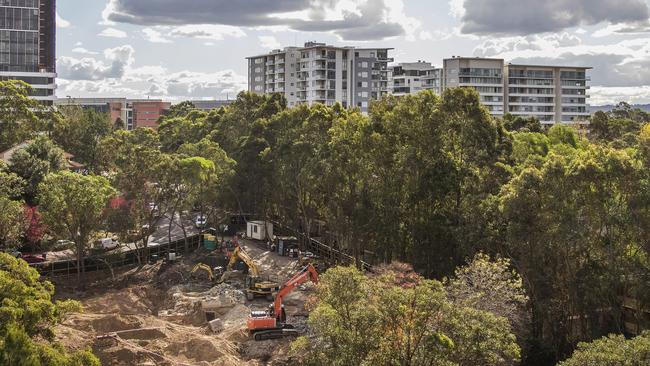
142 334
132 300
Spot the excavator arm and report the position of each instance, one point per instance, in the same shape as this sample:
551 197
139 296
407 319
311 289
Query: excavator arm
239 253
307 273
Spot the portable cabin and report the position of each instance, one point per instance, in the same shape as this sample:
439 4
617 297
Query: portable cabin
259 230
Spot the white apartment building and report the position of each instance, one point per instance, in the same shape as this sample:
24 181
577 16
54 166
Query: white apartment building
319 73
411 77
485 75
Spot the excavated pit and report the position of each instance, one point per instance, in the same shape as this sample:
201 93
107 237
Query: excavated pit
159 315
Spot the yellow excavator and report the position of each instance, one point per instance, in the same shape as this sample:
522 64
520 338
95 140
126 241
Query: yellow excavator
255 285
205 268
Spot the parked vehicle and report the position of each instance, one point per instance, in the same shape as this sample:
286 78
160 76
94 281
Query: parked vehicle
106 244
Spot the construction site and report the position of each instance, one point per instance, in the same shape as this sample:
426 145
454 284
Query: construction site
237 302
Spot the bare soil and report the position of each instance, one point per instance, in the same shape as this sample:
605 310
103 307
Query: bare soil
156 315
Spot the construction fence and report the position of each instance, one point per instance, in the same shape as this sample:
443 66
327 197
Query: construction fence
115 259
331 255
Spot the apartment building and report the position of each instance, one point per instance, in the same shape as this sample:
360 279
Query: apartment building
411 77
485 75
552 94
133 113
28 45
320 73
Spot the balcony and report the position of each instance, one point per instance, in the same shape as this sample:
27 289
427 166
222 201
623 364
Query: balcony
270 63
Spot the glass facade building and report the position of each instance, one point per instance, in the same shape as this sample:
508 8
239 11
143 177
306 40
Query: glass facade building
27 45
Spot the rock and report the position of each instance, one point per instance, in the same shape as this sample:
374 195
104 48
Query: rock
216 325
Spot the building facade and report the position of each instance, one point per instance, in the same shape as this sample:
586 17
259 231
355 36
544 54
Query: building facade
208 105
481 74
28 45
552 94
411 77
133 113
319 73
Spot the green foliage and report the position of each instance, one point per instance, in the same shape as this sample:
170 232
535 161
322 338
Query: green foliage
181 109
80 132
359 320
613 350
27 315
494 287
19 120
563 134
521 124
529 146
73 207
12 223
35 161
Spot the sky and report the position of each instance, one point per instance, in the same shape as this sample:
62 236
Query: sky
195 49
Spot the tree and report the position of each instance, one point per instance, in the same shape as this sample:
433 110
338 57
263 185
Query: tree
80 132
184 181
19 113
27 315
135 165
35 161
11 185
613 350
73 206
573 234
181 109
492 286
522 124
386 321
12 222
212 193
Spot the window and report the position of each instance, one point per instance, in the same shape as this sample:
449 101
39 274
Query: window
255 229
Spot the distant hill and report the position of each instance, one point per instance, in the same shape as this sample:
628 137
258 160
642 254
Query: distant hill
609 107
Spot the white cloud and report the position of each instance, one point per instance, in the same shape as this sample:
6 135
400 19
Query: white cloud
154 36
84 51
207 31
112 33
60 22
116 62
457 8
269 42
116 75
612 95
165 34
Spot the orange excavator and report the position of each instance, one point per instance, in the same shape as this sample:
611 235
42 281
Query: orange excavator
271 323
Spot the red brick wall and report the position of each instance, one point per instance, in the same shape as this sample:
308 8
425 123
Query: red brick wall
146 114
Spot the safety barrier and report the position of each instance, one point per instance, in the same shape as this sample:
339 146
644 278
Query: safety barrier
115 259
